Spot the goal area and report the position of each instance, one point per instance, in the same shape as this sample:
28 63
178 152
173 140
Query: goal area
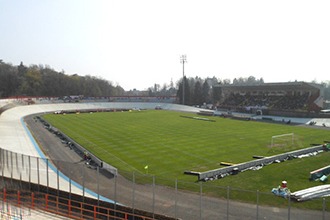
283 140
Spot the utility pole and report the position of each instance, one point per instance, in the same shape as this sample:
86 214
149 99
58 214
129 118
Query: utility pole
183 60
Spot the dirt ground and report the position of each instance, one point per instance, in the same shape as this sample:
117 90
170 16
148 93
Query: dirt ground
180 204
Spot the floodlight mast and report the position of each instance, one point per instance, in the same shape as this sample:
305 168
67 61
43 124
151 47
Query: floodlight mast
183 60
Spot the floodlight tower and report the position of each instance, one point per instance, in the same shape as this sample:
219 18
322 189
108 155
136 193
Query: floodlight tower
183 60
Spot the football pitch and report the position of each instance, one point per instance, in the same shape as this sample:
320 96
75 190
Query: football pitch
167 143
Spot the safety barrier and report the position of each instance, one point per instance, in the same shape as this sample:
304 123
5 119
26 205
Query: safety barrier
72 208
258 162
103 165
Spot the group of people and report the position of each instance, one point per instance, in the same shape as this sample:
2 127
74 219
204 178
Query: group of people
314 123
288 102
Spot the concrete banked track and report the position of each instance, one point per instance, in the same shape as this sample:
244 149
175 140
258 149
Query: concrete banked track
15 137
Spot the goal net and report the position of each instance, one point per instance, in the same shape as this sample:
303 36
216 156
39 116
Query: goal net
283 140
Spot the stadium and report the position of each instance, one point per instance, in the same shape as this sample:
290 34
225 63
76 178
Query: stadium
38 172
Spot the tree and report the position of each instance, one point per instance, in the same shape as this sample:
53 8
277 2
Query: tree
51 85
251 80
156 87
22 69
32 83
186 92
9 80
206 92
179 94
41 80
197 94
216 94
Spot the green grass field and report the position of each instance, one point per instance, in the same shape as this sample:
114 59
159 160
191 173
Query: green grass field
169 144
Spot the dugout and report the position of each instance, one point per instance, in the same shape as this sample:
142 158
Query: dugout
220 172
317 174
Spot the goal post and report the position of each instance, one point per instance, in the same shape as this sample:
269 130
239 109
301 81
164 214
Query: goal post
282 139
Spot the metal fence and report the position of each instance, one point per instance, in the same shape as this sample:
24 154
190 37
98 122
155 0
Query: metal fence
142 192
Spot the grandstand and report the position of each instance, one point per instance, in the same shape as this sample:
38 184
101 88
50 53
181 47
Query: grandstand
271 97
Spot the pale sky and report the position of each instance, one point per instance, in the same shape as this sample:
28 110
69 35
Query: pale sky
137 43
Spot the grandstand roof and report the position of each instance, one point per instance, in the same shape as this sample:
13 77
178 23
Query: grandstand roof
273 86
